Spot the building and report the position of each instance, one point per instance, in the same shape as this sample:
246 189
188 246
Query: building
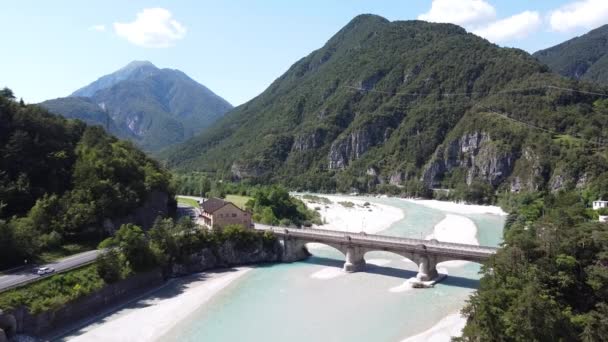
600 204
216 212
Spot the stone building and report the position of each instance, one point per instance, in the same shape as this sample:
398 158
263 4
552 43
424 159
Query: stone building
216 212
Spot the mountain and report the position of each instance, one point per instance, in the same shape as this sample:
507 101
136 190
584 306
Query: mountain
407 104
153 107
584 57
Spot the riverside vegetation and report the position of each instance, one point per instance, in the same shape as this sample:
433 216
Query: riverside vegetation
549 281
128 252
270 204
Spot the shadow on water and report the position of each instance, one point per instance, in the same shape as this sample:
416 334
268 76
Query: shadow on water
450 280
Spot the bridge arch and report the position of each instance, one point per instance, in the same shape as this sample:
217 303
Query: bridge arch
456 262
312 245
405 255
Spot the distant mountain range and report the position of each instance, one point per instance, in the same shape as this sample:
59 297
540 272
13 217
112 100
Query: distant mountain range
584 57
408 104
153 107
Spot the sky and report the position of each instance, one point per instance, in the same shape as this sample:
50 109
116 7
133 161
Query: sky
237 48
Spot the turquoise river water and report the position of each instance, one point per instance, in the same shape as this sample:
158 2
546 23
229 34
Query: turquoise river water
284 302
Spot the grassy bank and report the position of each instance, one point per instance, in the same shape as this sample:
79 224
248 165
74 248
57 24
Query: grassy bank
187 201
65 251
238 200
53 292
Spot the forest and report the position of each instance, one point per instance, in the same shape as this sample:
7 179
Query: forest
59 180
549 281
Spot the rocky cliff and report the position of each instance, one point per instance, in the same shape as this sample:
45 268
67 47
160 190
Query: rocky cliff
480 158
8 326
230 253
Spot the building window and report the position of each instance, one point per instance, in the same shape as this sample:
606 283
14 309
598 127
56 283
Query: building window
233 215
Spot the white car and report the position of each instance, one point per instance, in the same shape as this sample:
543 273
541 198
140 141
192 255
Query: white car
45 270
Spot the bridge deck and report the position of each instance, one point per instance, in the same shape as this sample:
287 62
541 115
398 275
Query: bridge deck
382 241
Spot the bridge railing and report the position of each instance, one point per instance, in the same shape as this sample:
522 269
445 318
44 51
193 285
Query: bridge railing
381 238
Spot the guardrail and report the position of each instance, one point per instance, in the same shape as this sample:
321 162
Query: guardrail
38 278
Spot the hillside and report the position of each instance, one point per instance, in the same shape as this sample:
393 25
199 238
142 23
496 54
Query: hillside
64 182
153 107
405 103
584 57
85 109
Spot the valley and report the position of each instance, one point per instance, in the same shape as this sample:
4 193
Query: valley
379 177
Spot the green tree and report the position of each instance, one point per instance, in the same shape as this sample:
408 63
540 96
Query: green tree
7 93
132 242
109 265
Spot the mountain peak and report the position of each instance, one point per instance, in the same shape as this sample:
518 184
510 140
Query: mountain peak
138 64
135 68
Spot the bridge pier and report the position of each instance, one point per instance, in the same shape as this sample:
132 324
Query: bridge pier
293 249
354 259
427 268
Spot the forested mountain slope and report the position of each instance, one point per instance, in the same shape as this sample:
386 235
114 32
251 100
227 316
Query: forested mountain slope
153 107
584 57
62 181
407 103
85 109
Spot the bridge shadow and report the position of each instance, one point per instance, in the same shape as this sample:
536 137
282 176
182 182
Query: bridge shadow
450 280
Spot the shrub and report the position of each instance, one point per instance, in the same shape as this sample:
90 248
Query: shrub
347 204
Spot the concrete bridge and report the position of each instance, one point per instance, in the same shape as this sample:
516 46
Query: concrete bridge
425 253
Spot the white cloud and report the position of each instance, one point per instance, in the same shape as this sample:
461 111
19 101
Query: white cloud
513 27
479 17
98 28
153 27
586 14
459 12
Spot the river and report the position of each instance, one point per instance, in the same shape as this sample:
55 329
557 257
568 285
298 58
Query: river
314 301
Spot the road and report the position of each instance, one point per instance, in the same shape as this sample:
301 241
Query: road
27 275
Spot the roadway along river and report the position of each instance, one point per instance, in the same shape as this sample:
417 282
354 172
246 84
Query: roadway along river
25 275
315 301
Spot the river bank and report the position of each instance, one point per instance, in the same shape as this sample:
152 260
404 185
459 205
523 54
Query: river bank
354 215
457 229
159 311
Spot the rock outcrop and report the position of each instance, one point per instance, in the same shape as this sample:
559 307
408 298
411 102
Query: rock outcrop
242 170
356 143
480 156
230 253
528 174
8 326
309 141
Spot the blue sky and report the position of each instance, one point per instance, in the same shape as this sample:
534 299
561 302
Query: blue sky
237 48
